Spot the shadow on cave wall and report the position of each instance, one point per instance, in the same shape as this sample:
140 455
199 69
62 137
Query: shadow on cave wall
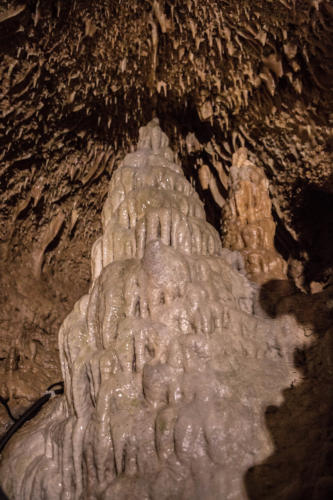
301 429
314 219
301 466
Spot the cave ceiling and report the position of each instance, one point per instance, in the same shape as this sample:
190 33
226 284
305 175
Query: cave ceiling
78 79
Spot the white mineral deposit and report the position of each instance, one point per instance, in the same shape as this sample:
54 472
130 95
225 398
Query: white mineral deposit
167 366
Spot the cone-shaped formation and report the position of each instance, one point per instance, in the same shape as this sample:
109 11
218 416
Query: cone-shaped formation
149 199
167 369
248 224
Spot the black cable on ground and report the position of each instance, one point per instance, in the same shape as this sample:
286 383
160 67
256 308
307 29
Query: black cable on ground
4 401
31 412
2 495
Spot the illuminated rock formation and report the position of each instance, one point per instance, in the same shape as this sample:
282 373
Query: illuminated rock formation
247 221
167 368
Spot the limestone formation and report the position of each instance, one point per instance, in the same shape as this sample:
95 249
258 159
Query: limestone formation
247 221
167 362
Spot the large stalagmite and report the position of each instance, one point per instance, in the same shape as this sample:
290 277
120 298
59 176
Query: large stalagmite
168 363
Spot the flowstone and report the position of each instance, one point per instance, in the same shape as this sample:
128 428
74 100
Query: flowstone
167 367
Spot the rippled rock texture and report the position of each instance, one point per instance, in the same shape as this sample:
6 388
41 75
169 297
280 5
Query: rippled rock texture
168 362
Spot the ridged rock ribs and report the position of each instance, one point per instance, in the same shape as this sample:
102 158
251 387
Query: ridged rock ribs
167 366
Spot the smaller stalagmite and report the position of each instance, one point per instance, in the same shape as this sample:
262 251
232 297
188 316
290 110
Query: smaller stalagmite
247 222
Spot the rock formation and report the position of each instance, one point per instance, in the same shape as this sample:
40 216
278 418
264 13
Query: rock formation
167 362
247 221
